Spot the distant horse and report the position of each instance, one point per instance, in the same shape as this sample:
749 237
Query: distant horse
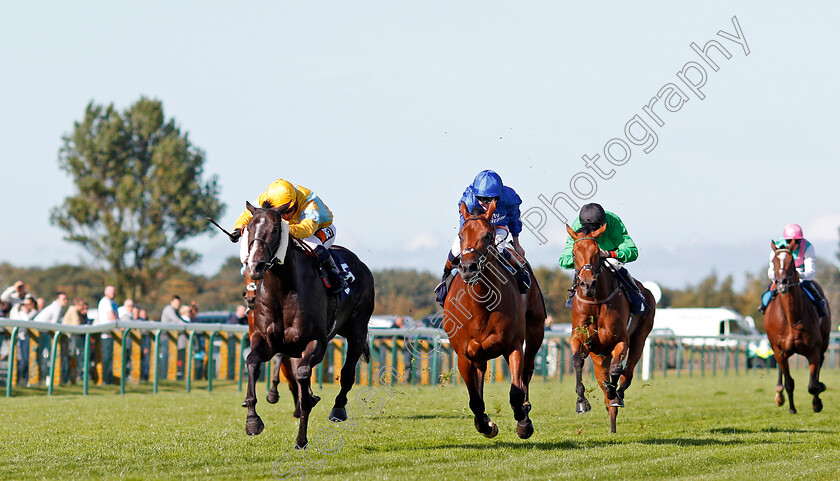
486 317
294 315
794 327
600 329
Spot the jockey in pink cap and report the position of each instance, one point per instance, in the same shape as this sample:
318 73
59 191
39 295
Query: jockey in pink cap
806 265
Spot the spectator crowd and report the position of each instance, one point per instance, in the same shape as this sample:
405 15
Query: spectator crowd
17 303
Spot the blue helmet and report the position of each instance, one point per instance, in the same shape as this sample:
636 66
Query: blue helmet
487 184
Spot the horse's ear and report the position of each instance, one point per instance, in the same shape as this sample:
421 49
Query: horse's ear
283 208
464 212
490 209
598 232
773 246
572 232
250 207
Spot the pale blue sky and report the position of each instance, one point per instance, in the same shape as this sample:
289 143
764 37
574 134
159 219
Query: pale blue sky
388 110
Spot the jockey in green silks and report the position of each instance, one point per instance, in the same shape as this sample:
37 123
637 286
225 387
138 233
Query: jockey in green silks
617 248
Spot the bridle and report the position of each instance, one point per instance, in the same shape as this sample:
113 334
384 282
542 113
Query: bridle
783 283
279 248
484 256
595 270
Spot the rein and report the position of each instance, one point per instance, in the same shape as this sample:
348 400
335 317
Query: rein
606 299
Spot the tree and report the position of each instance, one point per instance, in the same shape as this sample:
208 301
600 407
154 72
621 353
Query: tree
140 193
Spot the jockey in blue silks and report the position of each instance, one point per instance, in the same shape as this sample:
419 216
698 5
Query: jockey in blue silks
486 188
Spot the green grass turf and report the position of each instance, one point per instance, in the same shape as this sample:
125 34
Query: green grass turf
724 427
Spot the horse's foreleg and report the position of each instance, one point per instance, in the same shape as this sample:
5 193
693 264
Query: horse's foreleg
578 358
815 387
784 369
302 369
355 347
259 351
272 396
602 365
473 375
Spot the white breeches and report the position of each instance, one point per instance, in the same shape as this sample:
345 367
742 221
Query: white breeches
501 236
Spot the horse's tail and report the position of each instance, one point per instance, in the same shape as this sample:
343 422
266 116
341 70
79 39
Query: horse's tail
366 353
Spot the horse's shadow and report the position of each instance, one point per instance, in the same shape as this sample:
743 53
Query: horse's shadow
768 430
540 446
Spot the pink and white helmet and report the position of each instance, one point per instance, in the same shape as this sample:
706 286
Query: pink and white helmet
792 231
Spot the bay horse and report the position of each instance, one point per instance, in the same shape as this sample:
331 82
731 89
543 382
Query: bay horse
794 327
296 317
487 317
600 330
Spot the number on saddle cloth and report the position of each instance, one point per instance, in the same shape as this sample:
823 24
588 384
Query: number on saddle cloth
344 268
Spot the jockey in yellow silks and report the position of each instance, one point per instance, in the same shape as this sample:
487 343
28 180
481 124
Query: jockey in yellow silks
309 220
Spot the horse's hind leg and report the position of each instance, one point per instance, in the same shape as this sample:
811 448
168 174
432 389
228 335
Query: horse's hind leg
286 369
473 374
283 364
355 347
272 396
524 426
259 351
616 370
815 387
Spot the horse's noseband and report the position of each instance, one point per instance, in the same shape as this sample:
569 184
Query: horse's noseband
596 271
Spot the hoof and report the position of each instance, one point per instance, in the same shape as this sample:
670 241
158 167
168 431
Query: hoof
524 428
817 405
617 403
272 397
494 430
296 414
583 406
254 426
301 446
315 400
338 415
780 400
244 404
792 411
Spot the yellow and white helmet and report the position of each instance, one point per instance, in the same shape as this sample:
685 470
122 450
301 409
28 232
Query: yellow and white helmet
281 192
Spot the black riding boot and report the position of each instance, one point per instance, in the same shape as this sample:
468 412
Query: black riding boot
523 279
443 288
637 301
814 294
335 280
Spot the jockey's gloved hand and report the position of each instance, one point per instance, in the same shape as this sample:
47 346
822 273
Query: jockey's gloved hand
235 235
607 254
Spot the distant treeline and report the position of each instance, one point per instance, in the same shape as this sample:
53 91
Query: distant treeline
398 291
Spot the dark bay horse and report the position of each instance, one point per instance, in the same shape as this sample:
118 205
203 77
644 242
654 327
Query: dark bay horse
487 317
599 325
294 315
794 327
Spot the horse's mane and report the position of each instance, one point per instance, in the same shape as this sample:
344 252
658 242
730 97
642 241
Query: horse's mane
587 229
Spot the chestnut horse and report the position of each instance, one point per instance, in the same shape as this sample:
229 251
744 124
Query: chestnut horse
488 317
294 315
794 327
600 329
